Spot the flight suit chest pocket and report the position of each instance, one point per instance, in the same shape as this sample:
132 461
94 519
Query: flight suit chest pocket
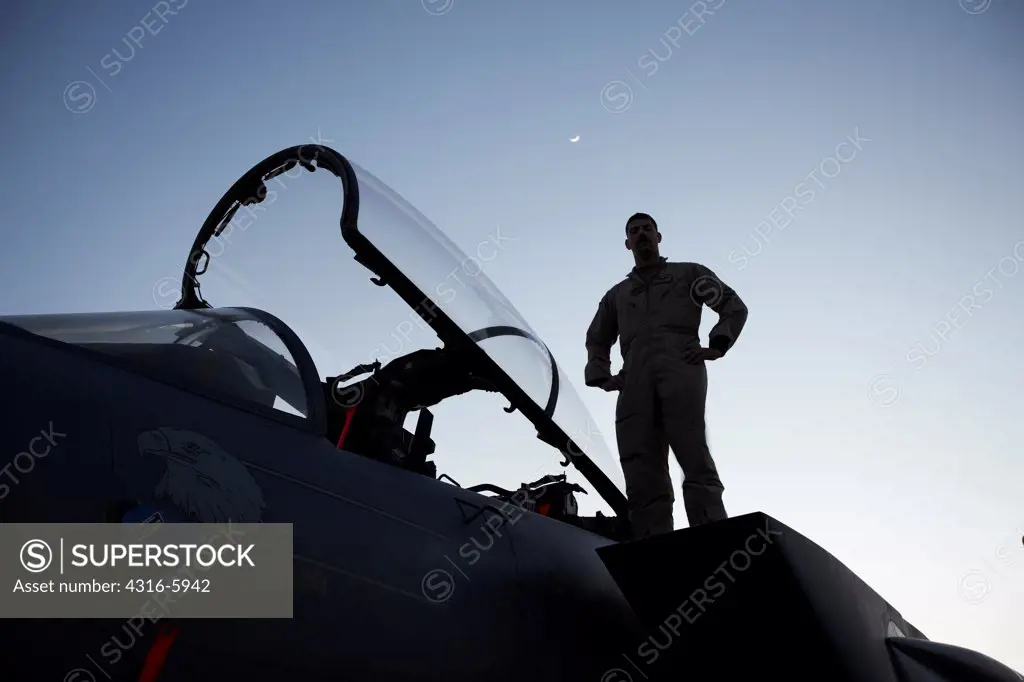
664 291
675 303
630 308
683 294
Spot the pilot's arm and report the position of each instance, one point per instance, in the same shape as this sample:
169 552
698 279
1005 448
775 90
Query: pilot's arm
732 311
601 336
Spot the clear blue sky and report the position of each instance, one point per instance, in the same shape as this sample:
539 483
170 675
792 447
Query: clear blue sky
468 111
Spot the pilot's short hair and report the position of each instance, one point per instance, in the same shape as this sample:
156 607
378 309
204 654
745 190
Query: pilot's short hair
641 215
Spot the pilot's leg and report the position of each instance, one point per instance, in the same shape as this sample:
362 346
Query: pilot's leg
643 451
683 390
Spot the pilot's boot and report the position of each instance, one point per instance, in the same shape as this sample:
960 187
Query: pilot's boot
682 389
643 452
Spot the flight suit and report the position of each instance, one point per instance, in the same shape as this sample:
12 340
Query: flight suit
662 397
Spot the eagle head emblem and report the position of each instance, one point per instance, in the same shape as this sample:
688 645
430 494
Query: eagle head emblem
201 479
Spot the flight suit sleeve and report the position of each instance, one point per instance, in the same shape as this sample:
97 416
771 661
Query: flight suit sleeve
710 290
601 335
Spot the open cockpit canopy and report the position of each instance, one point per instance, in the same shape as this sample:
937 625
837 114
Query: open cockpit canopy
249 355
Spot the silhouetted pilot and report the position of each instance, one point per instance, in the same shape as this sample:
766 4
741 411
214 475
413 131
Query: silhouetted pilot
655 313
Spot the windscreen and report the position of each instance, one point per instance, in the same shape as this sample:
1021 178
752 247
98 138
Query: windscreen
456 284
229 351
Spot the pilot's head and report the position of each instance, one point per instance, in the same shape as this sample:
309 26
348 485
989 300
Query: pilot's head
642 238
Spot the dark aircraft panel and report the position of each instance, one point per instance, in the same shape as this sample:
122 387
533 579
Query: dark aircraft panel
919 660
753 580
371 532
571 607
55 457
55 451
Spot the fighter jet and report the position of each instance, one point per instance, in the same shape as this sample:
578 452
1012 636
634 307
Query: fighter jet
174 416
